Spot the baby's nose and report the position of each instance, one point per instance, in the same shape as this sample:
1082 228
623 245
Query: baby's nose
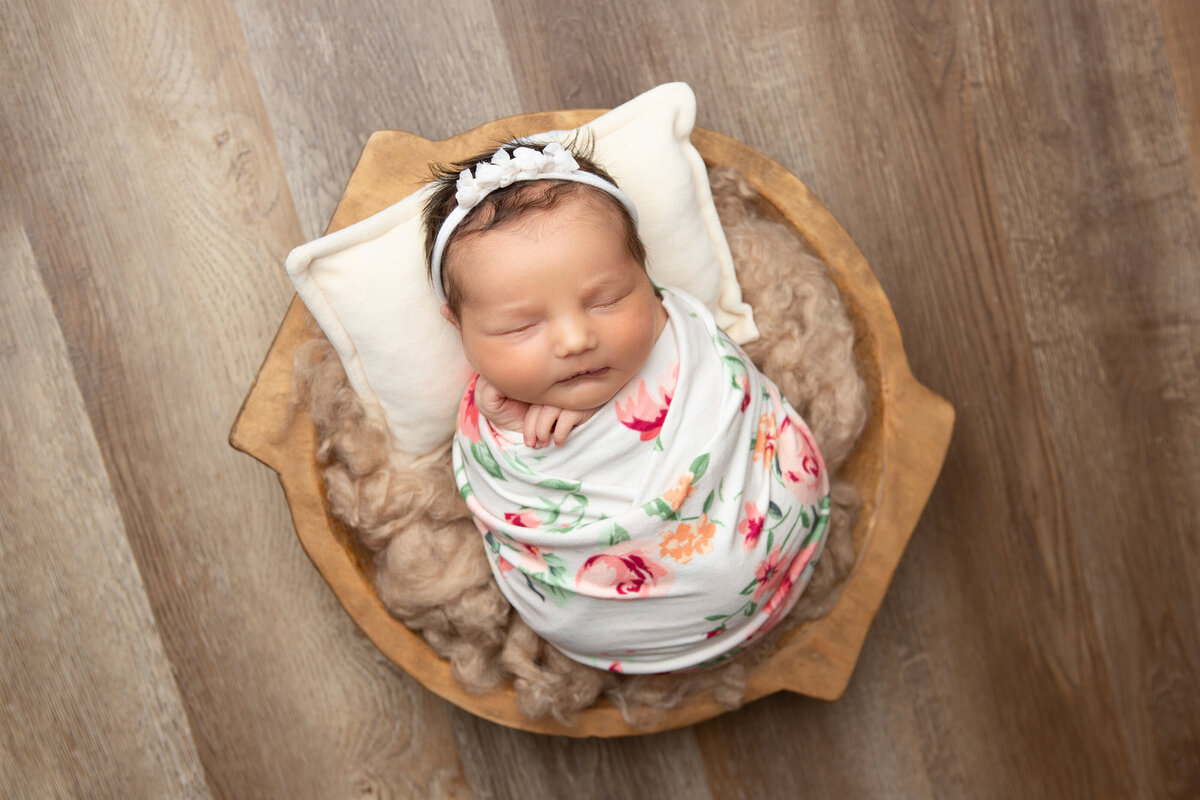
574 336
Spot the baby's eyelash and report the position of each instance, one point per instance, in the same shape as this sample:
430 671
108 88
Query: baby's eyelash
517 329
612 302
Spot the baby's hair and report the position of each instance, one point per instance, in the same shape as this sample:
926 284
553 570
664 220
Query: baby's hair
508 204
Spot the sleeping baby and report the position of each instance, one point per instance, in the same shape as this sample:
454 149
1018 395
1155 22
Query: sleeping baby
649 501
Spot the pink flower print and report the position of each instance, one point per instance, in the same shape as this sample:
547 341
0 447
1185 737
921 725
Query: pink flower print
751 526
503 565
525 518
483 518
767 573
468 415
529 559
640 412
776 603
616 667
623 572
744 382
799 461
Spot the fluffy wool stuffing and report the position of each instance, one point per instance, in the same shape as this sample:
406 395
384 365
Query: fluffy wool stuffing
431 571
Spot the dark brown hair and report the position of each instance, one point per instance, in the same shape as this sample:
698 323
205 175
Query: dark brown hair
507 204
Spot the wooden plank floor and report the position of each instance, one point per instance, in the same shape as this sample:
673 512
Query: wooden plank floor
1022 176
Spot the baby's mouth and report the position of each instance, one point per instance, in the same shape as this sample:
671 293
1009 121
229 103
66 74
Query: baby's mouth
587 373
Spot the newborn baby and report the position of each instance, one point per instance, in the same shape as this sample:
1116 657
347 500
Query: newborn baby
649 501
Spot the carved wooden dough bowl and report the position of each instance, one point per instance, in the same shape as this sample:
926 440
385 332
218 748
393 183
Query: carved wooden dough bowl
895 465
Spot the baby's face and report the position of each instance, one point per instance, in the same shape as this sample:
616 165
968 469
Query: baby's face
555 309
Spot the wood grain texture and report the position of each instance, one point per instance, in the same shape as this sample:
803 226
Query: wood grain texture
144 171
88 704
334 73
1181 35
1017 174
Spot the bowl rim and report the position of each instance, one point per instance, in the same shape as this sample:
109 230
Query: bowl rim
816 659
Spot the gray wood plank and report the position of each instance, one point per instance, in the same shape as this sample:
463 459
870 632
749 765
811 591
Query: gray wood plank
332 74
88 703
139 159
1109 286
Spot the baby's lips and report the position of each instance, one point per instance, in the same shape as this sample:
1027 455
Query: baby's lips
594 372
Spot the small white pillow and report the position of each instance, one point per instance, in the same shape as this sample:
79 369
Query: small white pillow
367 287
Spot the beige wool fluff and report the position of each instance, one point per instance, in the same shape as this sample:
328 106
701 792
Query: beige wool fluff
431 571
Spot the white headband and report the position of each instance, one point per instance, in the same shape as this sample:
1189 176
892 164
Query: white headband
554 162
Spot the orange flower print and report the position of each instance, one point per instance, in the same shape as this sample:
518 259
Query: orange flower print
687 540
681 491
751 526
764 442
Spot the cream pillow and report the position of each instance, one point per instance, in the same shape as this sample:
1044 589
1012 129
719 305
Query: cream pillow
367 287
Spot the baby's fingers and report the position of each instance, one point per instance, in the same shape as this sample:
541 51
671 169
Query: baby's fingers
566 421
539 422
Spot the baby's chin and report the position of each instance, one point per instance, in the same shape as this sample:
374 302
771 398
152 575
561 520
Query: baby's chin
577 395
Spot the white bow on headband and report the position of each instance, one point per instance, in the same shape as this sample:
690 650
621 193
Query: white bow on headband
553 162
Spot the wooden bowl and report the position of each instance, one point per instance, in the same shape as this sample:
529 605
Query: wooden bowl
894 466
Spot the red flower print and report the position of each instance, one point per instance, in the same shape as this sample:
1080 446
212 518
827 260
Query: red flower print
616 667
468 415
525 518
768 574
530 560
624 571
751 526
799 461
776 602
640 412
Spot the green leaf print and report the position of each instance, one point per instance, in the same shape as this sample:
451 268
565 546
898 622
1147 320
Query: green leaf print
556 580
708 501
773 510
659 508
615 536
486 460
560 484
699 467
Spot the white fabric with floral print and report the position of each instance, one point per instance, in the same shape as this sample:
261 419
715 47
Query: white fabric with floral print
674 527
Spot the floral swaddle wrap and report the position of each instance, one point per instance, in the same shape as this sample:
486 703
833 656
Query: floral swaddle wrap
677 524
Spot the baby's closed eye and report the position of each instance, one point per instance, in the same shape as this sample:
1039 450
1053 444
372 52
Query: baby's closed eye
513 329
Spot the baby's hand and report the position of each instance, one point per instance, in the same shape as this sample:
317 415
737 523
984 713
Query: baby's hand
544 422
501 411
